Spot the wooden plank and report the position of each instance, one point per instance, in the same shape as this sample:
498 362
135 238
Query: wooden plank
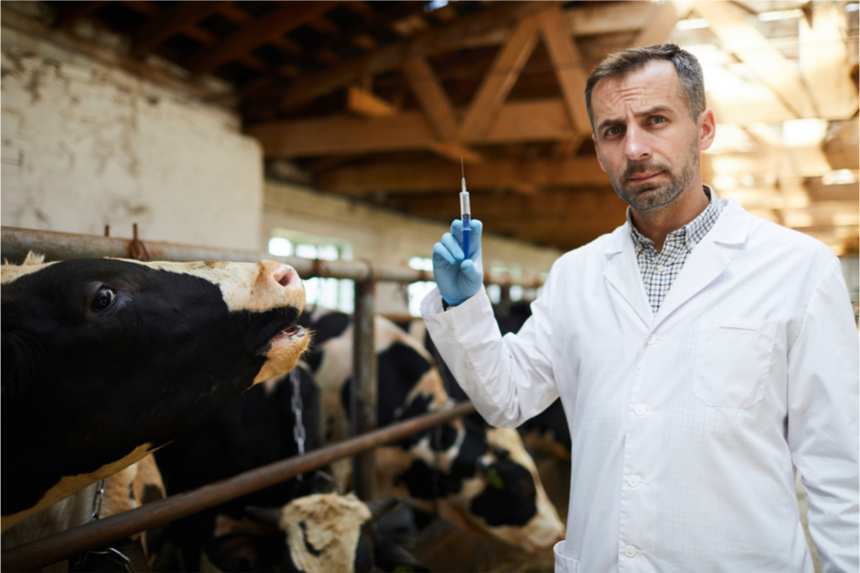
454 152
841 145
824 62
393 56
288 16
659 27
539 120
415 177
143 6
172 21
499 79
742 39
431 95
367 104
567 64
68 13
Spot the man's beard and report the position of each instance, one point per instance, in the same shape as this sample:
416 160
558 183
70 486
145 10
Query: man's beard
659 196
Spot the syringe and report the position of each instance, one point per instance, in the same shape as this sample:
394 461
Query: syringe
465 212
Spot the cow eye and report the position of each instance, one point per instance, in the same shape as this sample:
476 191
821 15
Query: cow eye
103 299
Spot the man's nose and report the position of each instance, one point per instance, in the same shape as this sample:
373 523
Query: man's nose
636 146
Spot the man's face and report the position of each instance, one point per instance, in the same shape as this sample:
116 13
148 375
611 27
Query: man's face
646 140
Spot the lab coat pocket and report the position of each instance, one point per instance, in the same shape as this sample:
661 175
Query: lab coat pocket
733 358
563 563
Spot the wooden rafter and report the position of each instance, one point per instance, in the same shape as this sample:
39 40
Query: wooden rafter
431 96
367 104
393 56
659 27
164 25
417 177
742 39
539 120
70 12
824 61
288 16
567 64
499 79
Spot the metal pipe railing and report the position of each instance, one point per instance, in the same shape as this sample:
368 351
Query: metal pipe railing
15 243
42 552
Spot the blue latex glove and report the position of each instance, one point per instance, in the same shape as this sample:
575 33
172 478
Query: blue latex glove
457 279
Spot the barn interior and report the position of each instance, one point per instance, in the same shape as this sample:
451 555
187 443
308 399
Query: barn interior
335 130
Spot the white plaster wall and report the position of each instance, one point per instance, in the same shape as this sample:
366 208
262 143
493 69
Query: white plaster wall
382 236
86 145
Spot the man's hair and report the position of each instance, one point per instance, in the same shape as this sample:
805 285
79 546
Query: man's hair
620 64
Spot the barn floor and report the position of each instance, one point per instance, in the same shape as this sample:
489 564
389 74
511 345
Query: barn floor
444 548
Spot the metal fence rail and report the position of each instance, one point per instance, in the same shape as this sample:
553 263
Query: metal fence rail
36 554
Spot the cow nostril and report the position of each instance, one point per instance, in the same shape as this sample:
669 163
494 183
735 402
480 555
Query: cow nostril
283 276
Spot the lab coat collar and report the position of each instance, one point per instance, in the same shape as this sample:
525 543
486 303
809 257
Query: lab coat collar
707 261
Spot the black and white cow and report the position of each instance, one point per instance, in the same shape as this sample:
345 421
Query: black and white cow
547 432
258 428
479 479
106 360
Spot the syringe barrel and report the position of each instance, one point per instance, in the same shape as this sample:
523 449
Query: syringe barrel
465 209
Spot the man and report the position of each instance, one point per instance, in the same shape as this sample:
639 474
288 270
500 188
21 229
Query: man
701 355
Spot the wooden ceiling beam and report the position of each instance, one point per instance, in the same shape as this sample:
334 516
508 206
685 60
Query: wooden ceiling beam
288 16
393 56
824 61
567 64
742 39
422 177
499 79
367 104
170 22
660 25
539 120
68 13
431 96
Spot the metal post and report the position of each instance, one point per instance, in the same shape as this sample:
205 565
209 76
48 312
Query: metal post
363 386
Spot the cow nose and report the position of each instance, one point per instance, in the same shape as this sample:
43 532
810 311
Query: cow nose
286 276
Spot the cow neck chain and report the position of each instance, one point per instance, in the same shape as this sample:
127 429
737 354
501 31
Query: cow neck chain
296 404
116 555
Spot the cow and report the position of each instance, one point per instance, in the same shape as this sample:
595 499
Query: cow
479 479
106 360
262 426
548 432
317 533
127 489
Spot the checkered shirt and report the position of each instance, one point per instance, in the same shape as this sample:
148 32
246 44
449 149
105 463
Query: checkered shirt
659 270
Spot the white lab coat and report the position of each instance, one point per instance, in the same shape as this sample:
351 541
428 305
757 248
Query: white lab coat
686 424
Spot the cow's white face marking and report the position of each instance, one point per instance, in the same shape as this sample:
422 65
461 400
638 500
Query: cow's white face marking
332 525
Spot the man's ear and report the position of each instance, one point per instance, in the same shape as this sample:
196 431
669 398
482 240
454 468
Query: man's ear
597 152
707 129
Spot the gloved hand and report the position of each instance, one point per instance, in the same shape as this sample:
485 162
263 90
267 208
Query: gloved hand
456 278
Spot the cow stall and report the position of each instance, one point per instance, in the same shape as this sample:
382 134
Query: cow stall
16 243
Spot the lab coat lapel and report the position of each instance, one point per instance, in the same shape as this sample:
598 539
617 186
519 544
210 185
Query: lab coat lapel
622 271
708 260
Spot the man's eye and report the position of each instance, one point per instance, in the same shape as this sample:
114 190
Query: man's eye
615 130
658 119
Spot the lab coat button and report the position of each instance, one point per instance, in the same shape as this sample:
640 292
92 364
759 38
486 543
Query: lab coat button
630 551
633 481
639 409
651 340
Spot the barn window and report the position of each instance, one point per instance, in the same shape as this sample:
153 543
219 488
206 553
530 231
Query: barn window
418 290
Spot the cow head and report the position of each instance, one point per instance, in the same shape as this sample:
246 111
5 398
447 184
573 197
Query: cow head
105 360
317 533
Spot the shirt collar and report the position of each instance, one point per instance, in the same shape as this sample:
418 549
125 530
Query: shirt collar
691 233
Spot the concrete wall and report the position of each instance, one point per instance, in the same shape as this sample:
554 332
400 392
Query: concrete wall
86 144
382 236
